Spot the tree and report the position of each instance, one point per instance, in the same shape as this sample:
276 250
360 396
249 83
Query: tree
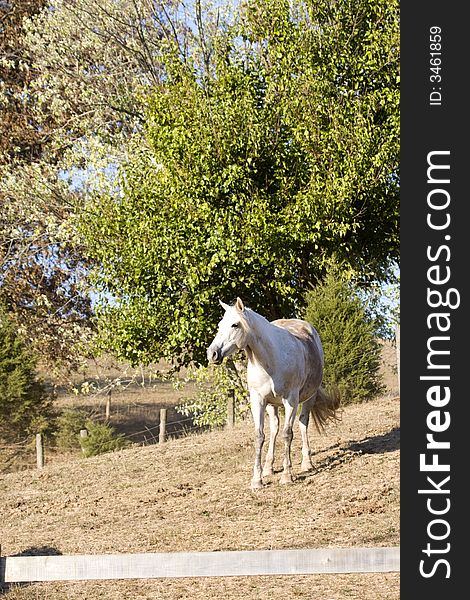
40 267
74 77
348 335
25 405
269 149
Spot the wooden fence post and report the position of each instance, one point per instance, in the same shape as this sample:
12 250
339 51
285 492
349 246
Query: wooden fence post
39 450
231 409
397 344
162 433
108 405
83 434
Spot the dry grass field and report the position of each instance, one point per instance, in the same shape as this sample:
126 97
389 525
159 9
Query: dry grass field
192 494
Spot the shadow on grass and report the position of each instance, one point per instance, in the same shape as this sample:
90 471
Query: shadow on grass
378 444
339 454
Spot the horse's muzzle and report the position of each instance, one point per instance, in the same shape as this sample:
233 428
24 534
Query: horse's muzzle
214 356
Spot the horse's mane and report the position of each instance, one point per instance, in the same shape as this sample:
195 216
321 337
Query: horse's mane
251 317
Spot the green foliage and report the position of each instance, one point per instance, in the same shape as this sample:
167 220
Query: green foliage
214 385
268 148
101 438
349 338
25 405
68 426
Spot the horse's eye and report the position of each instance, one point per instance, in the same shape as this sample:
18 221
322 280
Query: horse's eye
235 324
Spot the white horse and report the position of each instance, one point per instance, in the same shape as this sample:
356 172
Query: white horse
285 368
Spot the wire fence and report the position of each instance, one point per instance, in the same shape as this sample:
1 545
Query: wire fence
160 432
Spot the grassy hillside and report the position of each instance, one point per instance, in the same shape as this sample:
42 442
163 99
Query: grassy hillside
193 494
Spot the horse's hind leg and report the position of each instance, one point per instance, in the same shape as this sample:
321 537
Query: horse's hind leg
290 406
273 430
303 427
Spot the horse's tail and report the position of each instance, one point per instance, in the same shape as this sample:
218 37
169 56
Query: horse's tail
325 407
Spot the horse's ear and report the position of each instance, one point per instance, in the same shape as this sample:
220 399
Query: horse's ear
239 304
223 305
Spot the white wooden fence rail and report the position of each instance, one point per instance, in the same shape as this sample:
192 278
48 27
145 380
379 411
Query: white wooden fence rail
22 569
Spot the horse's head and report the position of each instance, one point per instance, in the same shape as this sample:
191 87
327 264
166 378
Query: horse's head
231 334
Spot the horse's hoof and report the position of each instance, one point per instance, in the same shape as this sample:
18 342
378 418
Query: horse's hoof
257 485
268 472
307 466
286 479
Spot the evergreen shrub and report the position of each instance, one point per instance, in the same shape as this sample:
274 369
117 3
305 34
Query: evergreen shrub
101 438
25 404
349 337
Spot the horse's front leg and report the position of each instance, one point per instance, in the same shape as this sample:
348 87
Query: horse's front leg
257 410
290 406
273 431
